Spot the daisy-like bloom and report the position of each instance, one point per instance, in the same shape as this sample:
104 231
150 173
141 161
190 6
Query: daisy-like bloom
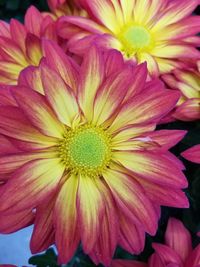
188 82
176 252
20 45
90 166
192 154
156 31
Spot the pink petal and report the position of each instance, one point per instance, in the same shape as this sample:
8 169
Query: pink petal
43 233
14 124
167 138
31 184
38 111
165 196
106 13
131 199
6 98
128 263
114 61
178 238
110 95
155 261
167 254
148 107
61 63
91 209
33 49
18 33
132 237
11 162
65 220
91 76
152 167
194 258
60 96
84 23
13 222
31 77
5 29
7 147
105 247
192 154
189 110
33 20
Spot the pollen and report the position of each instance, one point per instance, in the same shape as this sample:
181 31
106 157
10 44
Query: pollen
86 150
135 39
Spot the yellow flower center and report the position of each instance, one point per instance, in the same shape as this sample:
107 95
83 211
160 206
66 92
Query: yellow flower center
135 39
86 150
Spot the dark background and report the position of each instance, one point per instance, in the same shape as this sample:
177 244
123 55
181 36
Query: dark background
16 8
190 217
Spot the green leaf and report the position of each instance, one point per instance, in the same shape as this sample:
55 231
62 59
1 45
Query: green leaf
49 258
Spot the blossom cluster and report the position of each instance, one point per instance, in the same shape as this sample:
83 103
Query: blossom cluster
84 89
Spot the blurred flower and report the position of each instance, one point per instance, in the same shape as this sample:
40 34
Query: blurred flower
20 45
177 251
192 154
90 165
188 82
159 32
65 7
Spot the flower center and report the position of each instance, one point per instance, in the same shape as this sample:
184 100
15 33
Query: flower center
135 39
137 36
86 150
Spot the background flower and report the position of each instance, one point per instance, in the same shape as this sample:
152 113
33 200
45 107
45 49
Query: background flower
176 252
188 82
158 32
21 45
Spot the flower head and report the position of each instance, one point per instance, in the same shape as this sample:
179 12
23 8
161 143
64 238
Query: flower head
188 82
159 32
176 252
20 45
88 154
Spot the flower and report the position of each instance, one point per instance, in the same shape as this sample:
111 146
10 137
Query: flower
20 45
158 32
177 251
192 154
188 82
90 167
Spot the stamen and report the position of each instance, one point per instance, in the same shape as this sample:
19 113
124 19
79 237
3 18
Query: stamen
135 39
86 150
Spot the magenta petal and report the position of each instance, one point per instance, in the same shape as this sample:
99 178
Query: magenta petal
192 154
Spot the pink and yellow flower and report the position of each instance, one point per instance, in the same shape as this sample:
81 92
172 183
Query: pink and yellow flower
156 31
188 82
90 166
20 45
177 251
192 154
